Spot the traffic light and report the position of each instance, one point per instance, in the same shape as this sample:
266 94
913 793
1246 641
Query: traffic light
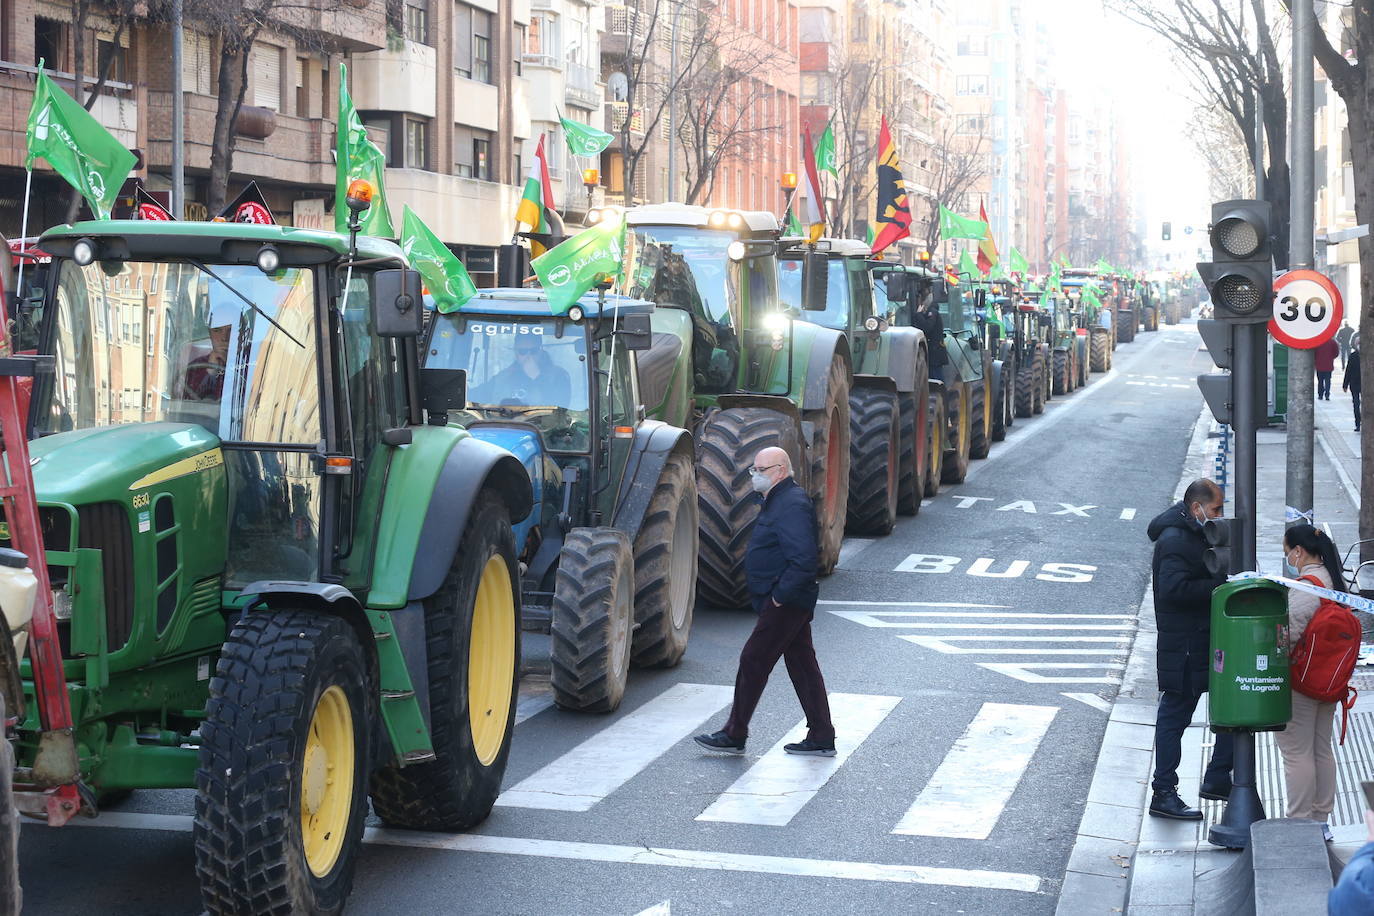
1223 537
1168 233
1240 276
1219 336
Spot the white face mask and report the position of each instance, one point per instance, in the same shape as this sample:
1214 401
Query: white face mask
760 482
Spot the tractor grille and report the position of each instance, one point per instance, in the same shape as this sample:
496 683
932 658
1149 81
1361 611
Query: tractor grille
105 527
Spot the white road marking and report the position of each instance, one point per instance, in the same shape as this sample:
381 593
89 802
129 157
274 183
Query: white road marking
851 548
905 618
1127 514
940 645
610 758
1021 671
1092 699
1018 626
907 603
639 855
532 705
971 787
779 784
659 909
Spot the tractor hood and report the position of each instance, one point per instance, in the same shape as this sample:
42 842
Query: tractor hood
524 442
108 462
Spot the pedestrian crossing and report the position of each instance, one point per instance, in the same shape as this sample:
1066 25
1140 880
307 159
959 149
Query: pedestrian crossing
1026 646
965 798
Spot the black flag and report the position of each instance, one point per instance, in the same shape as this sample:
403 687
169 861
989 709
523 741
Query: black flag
249 207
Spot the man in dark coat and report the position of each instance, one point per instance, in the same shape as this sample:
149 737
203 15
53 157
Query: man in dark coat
1183 610
1351 382
1324 358
780 564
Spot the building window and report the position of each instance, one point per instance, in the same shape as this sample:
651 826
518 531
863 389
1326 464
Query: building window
379 132
972 46
196 63
49 41
417 144
472 39
267 77
972 125
117 57
974 84
302 96
520 39
416 24
472 153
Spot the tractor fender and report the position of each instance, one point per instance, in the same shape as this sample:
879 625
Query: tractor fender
825 343
654 443
881 382
315 597
904 349
936 385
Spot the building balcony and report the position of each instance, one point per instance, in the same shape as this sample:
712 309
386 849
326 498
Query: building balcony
580 87
461 211
624 33
399 79
615 117
353 25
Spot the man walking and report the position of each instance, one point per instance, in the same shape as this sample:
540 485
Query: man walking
1325 358
1343 335
780 564
1351 382
1183 611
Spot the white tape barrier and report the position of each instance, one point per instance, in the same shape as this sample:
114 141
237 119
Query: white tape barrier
1345 598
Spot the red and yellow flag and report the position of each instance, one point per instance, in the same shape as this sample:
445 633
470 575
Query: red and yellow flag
813 205
894 212
987 248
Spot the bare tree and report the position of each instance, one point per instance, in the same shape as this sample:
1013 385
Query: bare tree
961 161
1228 49
1223 151
854 86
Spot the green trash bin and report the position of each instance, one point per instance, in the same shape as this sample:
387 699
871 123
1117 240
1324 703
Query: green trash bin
1248 674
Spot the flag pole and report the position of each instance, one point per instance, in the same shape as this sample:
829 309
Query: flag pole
23 234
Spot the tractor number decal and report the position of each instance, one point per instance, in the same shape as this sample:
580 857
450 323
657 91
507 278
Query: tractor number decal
214 458
141 500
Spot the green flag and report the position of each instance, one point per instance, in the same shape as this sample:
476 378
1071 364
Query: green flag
954 226
825 151
584 140
1045 299
998 272
870 235
445 276
967 266
1055 281
76 146
358 157
1018 262
1103 267
794 226
569 269
1090 297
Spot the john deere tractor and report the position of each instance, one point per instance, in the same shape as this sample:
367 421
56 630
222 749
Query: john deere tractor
1095 317
1069 356
279 575
889 402
1029 353
609 556
739 370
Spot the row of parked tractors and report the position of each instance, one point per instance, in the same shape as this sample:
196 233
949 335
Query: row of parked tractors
283 533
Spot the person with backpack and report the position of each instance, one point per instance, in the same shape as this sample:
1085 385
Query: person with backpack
1319 674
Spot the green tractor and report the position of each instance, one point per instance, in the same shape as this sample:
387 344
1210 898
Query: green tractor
1028 352
1096 321
991 303
609 556
889 400
1125 299
729 363
1069 356
279 576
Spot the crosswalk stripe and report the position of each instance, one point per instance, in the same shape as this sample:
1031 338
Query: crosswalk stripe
1021 671
780 784
972 785
607 760
939 644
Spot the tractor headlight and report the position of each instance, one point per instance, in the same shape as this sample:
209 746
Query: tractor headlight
717 219
576 313
269 259
735 251
871 323
776 325
593 217
61 604
84 252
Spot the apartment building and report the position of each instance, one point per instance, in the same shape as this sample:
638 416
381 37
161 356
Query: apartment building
1334 177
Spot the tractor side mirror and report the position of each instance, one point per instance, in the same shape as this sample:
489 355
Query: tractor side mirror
636 332
815 268
397 303
442 390
898 285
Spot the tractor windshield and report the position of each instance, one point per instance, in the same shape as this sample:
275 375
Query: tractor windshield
528 369
836 314
143 342
687 268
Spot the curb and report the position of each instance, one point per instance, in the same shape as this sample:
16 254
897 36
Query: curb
1098 878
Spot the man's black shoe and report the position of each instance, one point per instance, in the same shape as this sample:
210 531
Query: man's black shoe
1166 803
1216 791
811 748
721 743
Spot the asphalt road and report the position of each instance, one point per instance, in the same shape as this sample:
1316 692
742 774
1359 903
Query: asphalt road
971 657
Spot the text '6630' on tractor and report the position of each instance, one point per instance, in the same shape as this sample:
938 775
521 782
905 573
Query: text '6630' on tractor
275 572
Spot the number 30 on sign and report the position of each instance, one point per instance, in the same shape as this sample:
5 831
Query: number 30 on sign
1307 309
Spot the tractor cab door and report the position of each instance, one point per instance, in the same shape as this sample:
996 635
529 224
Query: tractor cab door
863 343
618 415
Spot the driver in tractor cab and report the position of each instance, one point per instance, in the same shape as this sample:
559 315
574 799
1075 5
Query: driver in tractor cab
205 367
531 380
927 318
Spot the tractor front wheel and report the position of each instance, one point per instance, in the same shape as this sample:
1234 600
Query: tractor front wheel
999 402
11 895
593 620
874 431
1100 350
1040 383
1025 390
284 752
959 420
915 450
979 419
472 639
665 557
1062 381
830 457
938 426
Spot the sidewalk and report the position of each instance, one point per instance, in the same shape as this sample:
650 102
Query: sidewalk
1124 861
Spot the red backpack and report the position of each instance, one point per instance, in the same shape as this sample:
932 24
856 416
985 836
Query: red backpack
1324 659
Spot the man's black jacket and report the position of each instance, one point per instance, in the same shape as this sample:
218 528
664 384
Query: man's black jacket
1352 372
780 561
1183 600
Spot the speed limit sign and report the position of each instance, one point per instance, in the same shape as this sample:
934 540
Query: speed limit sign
1307 309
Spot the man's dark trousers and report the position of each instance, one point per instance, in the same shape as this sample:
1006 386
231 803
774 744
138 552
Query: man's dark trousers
781 632
1175 713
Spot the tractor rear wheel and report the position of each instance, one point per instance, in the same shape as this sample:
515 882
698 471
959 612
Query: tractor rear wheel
1081 362
915 453
1099 352
472 639
593 620
935 443
1062 382
1009 393
1025 390
726 442
284 753
1152 319
1039 383
830 457
874 431
999 402
665 558
1126 325
979 443
960 422
11 895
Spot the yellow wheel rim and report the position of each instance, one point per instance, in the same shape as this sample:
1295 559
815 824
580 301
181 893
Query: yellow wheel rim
327 781
491 661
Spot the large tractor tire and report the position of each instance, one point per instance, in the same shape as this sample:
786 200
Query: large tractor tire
979 441
875 435
1081 361
727 441
1009 393
1099 350
1039 384
11 895
472 644
959 406
1171 313
1026 382
593 620
828 486
1063 382
999 402
915 448
665 558
1126 325
1152 318
1047 374
935 443
282 775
